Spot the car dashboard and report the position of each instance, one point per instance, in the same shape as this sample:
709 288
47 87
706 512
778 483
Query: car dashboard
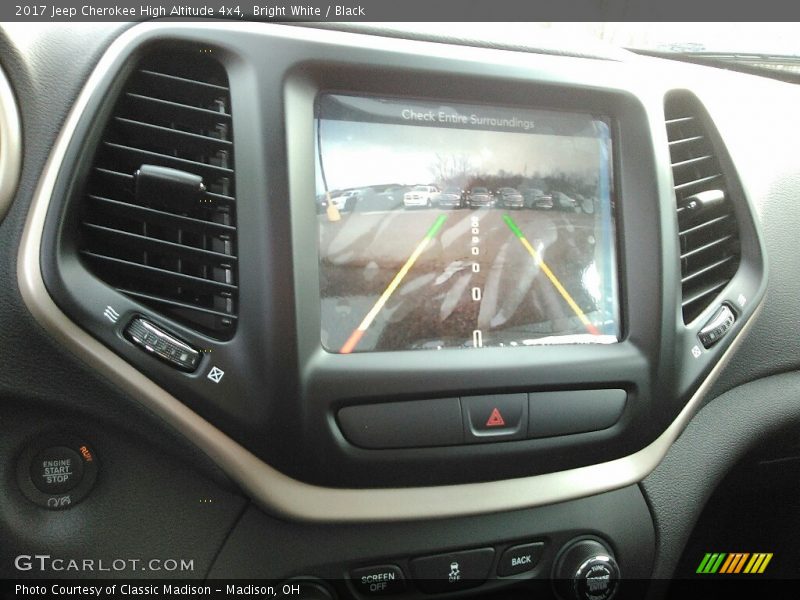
251 334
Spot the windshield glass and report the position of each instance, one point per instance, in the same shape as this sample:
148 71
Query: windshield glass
733 38
780 39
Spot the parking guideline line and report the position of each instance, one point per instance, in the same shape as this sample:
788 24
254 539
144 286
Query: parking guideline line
358 333
550 275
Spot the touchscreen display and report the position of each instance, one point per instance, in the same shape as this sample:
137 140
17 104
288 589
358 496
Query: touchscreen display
445 225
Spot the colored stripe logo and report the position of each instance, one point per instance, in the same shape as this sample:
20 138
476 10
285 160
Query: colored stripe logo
734 563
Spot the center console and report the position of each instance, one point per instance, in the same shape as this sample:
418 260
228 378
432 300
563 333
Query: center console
588 546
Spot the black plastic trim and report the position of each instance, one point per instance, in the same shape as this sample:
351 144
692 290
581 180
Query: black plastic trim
280 389
620 518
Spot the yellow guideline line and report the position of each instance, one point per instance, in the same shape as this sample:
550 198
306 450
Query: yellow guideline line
355 337
553 279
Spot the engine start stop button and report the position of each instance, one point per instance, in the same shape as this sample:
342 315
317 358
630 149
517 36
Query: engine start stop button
57 470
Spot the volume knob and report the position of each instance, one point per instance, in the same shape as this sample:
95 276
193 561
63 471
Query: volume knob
586 570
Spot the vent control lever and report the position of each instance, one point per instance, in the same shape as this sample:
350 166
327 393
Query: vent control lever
704 200
156 185
157 342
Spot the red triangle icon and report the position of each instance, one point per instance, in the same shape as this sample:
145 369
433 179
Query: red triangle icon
495 419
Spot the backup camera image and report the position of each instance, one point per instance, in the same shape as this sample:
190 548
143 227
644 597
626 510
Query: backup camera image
462 226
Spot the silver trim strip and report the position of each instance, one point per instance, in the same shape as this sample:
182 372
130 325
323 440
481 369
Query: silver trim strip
10 144
269 488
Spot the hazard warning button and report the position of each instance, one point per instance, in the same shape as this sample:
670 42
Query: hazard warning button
495 418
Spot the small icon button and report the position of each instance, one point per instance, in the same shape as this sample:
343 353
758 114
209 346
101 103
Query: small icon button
111 314
495 417
379 580
454 574
216 374
519 559
453 571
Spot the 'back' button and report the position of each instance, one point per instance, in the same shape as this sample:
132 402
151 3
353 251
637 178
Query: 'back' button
375 581
519 559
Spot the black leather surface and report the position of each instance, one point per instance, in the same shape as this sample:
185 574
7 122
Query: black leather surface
719 436
145 505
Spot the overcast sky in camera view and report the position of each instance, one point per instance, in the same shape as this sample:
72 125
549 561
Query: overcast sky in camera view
359 154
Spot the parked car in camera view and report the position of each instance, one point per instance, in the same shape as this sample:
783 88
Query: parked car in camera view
393 194
451 197
586 204
420 195
346 201
537 199
509 198
479 196
563 202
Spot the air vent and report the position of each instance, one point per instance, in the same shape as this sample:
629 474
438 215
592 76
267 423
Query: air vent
159 219
708 233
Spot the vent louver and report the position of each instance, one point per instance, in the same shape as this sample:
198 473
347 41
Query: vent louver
708 232
175 252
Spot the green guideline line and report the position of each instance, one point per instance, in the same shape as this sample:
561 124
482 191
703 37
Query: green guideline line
437 225
513 226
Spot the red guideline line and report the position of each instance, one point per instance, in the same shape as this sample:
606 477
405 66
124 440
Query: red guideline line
356 336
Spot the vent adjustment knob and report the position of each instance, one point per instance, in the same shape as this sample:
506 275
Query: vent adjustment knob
717 326
165 346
